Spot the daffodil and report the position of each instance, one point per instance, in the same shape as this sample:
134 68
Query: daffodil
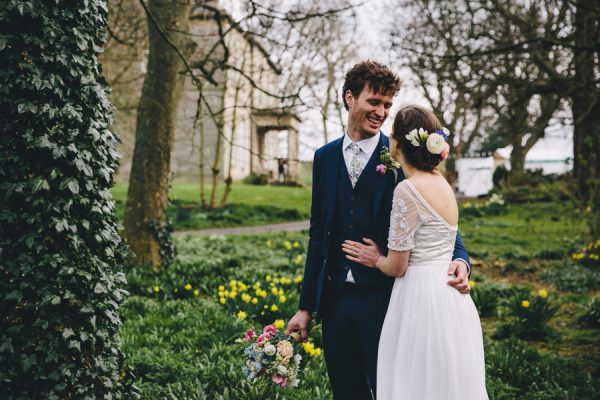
221 288
269 243
242 315
222 300
287 245
254 300
275 291
296 245
298 279
471 284
268 278
188 286
282 299
525 304
274 308
298 259
279 323
156 289
196 292
233 294
542 293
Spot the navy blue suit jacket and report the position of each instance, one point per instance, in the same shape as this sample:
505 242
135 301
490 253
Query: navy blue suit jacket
325 175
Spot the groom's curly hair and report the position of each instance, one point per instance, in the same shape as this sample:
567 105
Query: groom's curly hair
380 78
415 117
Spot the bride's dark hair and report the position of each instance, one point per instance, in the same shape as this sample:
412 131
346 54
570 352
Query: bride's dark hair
415 117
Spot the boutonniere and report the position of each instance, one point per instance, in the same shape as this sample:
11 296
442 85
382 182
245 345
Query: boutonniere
387 163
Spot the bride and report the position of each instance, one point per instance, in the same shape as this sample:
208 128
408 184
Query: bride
431 344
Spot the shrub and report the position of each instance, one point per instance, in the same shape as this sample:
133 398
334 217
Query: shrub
531 317
495 205
572 277
256 179
61 254
518 369
591 317
589 255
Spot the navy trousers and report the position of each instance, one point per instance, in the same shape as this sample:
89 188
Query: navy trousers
352 322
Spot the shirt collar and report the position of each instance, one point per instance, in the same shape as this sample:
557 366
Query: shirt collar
366 145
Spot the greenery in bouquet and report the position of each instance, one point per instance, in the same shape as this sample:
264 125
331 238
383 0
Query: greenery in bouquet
271 357
589 256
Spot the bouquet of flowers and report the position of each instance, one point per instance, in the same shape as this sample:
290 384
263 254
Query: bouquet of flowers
271 357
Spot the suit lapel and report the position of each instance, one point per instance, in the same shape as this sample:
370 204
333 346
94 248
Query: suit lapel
381 181
331 171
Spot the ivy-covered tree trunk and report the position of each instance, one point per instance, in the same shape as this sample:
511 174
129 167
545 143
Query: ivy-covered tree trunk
146 229
60 253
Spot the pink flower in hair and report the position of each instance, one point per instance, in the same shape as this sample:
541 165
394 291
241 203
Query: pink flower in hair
445 151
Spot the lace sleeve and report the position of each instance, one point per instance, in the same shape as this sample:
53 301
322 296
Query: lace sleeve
404 220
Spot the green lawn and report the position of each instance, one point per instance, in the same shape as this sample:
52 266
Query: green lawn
247 205
181 343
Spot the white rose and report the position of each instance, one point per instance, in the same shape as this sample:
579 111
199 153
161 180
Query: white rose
435 143
270 349
282 370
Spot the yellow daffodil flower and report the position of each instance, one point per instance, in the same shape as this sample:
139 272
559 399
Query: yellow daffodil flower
222 300
268 278
282 299
298 279
196 292
525 304
296 245
221 288
287 245
274 308
269 243
246 297
279 323
471 284
542 293
242 315
188 286
156 289
254 300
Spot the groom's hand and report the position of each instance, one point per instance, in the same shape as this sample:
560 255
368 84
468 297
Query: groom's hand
300 321
460 276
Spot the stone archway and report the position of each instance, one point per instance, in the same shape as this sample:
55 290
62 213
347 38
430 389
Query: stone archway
263 160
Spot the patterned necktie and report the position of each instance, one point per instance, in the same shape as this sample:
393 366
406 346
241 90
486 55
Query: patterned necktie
356 164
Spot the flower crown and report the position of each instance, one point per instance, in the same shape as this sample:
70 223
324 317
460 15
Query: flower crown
435 142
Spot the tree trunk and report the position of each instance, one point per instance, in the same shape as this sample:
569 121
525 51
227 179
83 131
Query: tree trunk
586 113
229 179
216 168
147 196
202 137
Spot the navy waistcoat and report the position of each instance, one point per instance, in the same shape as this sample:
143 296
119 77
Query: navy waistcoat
353 220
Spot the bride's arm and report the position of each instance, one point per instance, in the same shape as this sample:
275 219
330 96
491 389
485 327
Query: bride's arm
370 256
394 264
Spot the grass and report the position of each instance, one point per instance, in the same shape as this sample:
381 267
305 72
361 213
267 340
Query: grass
181 345
248 205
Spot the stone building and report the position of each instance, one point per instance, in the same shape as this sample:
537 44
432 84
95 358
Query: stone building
247 130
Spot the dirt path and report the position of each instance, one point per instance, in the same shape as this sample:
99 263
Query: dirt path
249 230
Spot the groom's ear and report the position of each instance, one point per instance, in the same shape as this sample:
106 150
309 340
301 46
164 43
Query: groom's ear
349 97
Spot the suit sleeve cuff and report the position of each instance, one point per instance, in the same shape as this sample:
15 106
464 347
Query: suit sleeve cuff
466 263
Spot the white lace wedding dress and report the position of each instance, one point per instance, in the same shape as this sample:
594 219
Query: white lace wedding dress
431 345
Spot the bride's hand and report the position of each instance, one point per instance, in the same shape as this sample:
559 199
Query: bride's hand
365 254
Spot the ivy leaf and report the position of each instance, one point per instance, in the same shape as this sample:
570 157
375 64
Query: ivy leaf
73 186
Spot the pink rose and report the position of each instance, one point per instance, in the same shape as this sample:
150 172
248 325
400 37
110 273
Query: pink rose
249 335
280 380
269 330
445 151
262 338
381 169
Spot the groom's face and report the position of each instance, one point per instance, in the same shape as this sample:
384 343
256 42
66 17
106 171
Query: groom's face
367 111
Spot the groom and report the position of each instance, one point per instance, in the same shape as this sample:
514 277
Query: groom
351 200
